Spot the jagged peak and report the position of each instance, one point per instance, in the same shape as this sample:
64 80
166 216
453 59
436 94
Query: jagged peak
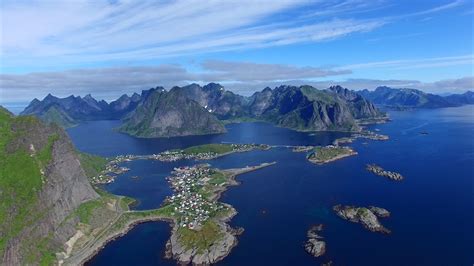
213 86
89 96
50 97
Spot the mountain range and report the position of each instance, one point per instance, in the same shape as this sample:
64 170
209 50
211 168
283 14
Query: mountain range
412 98
198 110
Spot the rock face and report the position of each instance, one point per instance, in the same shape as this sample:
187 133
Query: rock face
214 98
373 168
412 98
41 184
308 109
315 245
366 216
301 108
169 114
214 253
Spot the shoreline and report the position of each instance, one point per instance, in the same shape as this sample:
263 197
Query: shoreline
338 157
101 242
110 235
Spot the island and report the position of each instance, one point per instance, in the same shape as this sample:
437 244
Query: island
315 245
373 168
363 134
330 153
302 148
365 216
111 167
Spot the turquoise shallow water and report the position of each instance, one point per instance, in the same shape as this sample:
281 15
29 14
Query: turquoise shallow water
432 209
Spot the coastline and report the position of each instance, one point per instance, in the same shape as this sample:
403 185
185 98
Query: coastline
101 242
110 234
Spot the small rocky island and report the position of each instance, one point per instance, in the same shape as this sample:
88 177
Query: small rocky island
315 245
365 216
381 172
330 153
302 148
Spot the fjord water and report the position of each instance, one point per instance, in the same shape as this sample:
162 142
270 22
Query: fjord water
432 209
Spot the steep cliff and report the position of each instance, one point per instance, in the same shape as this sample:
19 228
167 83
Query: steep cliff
42 183
168 114
214 98
305 108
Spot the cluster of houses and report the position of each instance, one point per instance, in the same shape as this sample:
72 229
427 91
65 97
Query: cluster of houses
108 175
366 134
175 155
190 206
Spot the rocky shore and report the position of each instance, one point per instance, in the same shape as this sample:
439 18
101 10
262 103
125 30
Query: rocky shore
302 148
365 216
201 234
216 251
315 245
381 172
330 153
365 134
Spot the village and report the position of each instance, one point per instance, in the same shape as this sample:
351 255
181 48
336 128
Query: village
201 152
190 184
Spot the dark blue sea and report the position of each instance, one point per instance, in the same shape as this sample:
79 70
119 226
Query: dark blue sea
432 208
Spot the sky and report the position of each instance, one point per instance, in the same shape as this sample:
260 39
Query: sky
112 47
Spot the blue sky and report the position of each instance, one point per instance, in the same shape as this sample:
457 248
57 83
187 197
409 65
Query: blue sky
112 47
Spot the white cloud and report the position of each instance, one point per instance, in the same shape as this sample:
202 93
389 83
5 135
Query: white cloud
67 32
416 63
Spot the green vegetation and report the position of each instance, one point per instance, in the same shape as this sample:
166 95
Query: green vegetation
202 239
212 148
85 210
59 117
21 178
329 153
314 94
45 155
217 178
92 164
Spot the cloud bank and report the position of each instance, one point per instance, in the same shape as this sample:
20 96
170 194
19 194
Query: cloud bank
241 77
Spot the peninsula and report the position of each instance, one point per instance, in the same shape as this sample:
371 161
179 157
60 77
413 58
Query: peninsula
200 233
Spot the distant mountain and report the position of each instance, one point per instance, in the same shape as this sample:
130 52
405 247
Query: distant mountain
71 110
196 110
169 114
412 98
461 99
214 98
308 109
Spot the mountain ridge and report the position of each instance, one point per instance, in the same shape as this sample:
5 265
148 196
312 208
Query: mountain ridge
303 108
413 98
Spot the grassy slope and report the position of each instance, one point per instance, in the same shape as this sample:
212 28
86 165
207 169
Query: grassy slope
20 181
323 153
216 148
92 164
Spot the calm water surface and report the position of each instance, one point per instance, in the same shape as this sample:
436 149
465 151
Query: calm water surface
432 209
